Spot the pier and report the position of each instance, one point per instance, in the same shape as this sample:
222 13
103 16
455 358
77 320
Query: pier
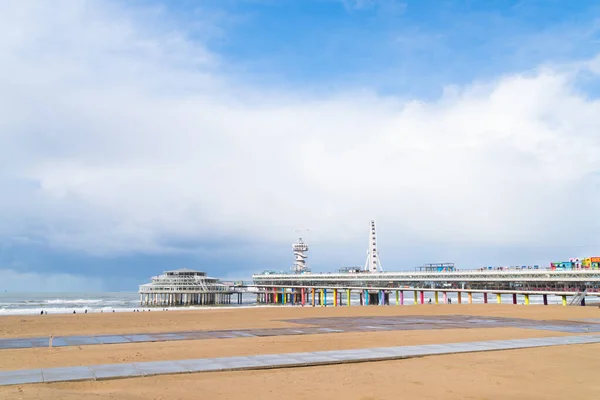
572 281
185 287
376 288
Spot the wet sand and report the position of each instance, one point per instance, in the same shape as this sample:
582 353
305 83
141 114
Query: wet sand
541 373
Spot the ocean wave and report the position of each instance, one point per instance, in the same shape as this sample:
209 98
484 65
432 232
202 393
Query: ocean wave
74 301
81 310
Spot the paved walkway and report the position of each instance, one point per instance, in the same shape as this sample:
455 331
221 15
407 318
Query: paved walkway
268 361
311 326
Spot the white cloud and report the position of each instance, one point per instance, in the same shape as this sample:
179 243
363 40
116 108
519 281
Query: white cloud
114 135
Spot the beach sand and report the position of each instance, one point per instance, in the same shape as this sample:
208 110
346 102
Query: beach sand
542 373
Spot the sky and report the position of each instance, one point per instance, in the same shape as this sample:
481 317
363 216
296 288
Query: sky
146 135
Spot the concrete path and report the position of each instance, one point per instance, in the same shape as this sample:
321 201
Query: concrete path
316 326
268 361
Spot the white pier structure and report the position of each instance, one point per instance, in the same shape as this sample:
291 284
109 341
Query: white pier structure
374 285
185 287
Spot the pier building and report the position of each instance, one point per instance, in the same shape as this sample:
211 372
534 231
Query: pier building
374 286
185 287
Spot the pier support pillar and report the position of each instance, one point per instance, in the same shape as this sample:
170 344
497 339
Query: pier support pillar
303 296
397 298
422 294
527 299
401 298
348 293
498 298
485 298
445 298
361 295
459 295
366 297
323 297
314 292
514 298
335 297
470 296
416 300
381 298
564 300
545 296
436 297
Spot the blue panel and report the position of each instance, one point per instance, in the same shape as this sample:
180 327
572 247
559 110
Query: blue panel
59 342
22 376
15 344
160 367
139 338
167 336
200 365
115 371
275 359
241 362
80 340
67 374
40 342
112 339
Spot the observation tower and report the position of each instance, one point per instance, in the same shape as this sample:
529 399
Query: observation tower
299 266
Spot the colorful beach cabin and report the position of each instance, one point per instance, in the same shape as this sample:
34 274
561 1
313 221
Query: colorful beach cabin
591 263
562 265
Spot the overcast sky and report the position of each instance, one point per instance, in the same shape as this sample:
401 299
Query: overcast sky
142 136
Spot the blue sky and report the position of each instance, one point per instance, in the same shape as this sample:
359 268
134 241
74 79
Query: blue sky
147 135
412 48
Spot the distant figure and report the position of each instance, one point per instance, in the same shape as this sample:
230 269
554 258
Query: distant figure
74 312
86 311
113 310
449 301
429 301
42 313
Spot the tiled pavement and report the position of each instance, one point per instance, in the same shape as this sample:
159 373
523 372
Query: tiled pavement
318 326
267 361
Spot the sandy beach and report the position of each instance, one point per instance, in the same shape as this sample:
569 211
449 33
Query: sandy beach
534 373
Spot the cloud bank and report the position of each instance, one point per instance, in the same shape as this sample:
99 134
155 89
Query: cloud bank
119 138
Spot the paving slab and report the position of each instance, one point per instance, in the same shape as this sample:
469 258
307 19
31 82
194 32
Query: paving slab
115 371
139 338
80 341
15 344
160 367
201 365
311 358
241 362
21 376
275 360
112 339
63 374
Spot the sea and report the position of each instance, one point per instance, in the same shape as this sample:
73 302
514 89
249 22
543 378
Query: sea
67 302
